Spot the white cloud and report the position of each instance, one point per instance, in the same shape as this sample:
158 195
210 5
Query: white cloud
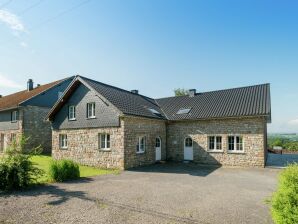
7 83
293 122
24 44
12 21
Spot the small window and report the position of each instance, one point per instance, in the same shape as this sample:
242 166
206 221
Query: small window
215 143
63 141
183 111
90 110
13 137
157 143
14 116
235 143
104 141
154 111
188 142
71 113
141 144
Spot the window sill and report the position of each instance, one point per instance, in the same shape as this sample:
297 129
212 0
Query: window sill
142 152
73 119
215 151
63 148
105 150
231 152
14 121
88 118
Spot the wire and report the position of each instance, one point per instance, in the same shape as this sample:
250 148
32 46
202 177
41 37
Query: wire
30 7
60 14
5 4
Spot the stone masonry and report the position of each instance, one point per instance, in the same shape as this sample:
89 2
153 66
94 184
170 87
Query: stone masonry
251 129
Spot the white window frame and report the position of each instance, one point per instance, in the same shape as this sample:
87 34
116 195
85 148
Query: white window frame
63 141
13 137
14 116
235 144
107 141
91 108
215 143
139 144
72 113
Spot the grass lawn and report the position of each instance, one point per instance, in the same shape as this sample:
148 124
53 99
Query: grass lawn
43 162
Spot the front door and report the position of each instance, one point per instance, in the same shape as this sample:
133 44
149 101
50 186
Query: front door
188 149
2 142
158 149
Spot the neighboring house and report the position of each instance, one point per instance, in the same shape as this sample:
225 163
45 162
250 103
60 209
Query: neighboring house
101 125
24 112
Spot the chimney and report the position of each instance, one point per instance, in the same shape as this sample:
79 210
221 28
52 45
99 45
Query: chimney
30 85
192 92
38 85
135 91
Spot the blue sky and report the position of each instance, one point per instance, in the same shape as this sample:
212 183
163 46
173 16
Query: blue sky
156 46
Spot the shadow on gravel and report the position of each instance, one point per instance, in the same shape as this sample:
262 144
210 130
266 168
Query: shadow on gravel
178 168
57 193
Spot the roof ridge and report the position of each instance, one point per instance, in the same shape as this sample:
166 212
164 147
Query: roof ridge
212 91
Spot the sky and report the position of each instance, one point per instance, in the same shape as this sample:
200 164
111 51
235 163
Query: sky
156 46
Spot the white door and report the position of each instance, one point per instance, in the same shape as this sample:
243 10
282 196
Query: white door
158 149
188 149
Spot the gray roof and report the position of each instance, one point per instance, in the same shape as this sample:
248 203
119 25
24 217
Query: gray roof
127 102
237 102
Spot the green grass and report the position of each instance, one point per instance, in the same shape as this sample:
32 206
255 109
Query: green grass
43 162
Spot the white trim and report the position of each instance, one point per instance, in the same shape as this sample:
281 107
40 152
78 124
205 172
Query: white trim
72 112
139 151
14 116
63 142
215 143
188 147
235 151
105 148
91 108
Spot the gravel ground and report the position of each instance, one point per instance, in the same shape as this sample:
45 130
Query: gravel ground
163 193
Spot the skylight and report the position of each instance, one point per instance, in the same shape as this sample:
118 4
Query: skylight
183 111
154 111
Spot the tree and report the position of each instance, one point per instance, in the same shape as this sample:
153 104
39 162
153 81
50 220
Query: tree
180 92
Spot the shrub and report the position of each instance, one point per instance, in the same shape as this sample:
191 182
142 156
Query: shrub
284 201
61 170
16 169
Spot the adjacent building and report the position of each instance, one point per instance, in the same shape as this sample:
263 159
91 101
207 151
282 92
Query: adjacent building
24 112
101 125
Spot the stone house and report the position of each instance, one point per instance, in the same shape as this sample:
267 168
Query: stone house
100 125
23 113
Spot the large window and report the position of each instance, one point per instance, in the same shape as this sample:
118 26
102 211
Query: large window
215 143
104 141
90 110
63 141
71 113
14 116
141 145
235 143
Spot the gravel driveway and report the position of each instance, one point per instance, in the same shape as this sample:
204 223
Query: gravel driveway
163 193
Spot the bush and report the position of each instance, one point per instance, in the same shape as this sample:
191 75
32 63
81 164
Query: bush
61 170
16 169
285 200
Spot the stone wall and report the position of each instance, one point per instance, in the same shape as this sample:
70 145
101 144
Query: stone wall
36 128
83 147
135 127
252 130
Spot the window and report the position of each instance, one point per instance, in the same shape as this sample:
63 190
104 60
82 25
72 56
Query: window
13 137
235 143
71 113
60 94
90 110
215 143
141 144
188 142
154 111
63 141
14 116
157 143
104 141
183 111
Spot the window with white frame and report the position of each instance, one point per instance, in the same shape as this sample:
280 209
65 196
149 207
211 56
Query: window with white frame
14 116
104 141
71 113
13 137
215 143
141 145
63 141
235 144
90 110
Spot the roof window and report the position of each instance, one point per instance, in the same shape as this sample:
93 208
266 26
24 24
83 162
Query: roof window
183 111
154 111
